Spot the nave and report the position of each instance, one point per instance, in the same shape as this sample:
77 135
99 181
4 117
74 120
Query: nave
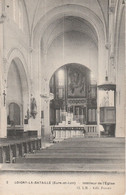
75 155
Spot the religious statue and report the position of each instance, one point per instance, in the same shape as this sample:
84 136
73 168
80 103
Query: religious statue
33 108
28 114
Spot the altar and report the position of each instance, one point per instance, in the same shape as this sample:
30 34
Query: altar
71 128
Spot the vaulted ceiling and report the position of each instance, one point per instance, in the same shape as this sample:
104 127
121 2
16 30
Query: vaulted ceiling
38 8
68 24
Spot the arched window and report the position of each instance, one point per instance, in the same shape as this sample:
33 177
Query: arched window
61 77
15 10
18 13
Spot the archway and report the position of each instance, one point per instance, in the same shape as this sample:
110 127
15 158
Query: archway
69 39
17 94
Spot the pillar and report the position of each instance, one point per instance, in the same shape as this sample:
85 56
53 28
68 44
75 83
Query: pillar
46 121
35 123
35 88
102 68
120 72
3 116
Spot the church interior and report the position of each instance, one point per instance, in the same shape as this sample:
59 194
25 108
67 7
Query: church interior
62 85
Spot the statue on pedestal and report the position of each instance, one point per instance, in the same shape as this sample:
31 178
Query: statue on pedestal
33 108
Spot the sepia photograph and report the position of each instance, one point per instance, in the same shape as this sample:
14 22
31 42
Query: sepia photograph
62 97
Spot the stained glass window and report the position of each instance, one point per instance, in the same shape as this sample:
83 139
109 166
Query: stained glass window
61 77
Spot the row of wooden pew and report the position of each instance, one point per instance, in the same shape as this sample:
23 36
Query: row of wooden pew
10 149
77 154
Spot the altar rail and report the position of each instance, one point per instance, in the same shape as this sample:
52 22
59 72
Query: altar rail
91 131
61 133
11 149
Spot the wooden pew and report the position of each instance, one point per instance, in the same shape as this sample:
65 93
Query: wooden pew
10 149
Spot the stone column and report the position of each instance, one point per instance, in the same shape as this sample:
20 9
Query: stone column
120 73
35 88
102 68
112 71
46 121
35 122
45 106
3 115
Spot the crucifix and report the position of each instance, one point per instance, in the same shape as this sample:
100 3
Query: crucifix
4 94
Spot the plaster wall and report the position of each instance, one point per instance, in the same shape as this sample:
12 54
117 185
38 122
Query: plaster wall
71 47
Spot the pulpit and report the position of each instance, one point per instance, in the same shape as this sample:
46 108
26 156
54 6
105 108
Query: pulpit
108 109
108 119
